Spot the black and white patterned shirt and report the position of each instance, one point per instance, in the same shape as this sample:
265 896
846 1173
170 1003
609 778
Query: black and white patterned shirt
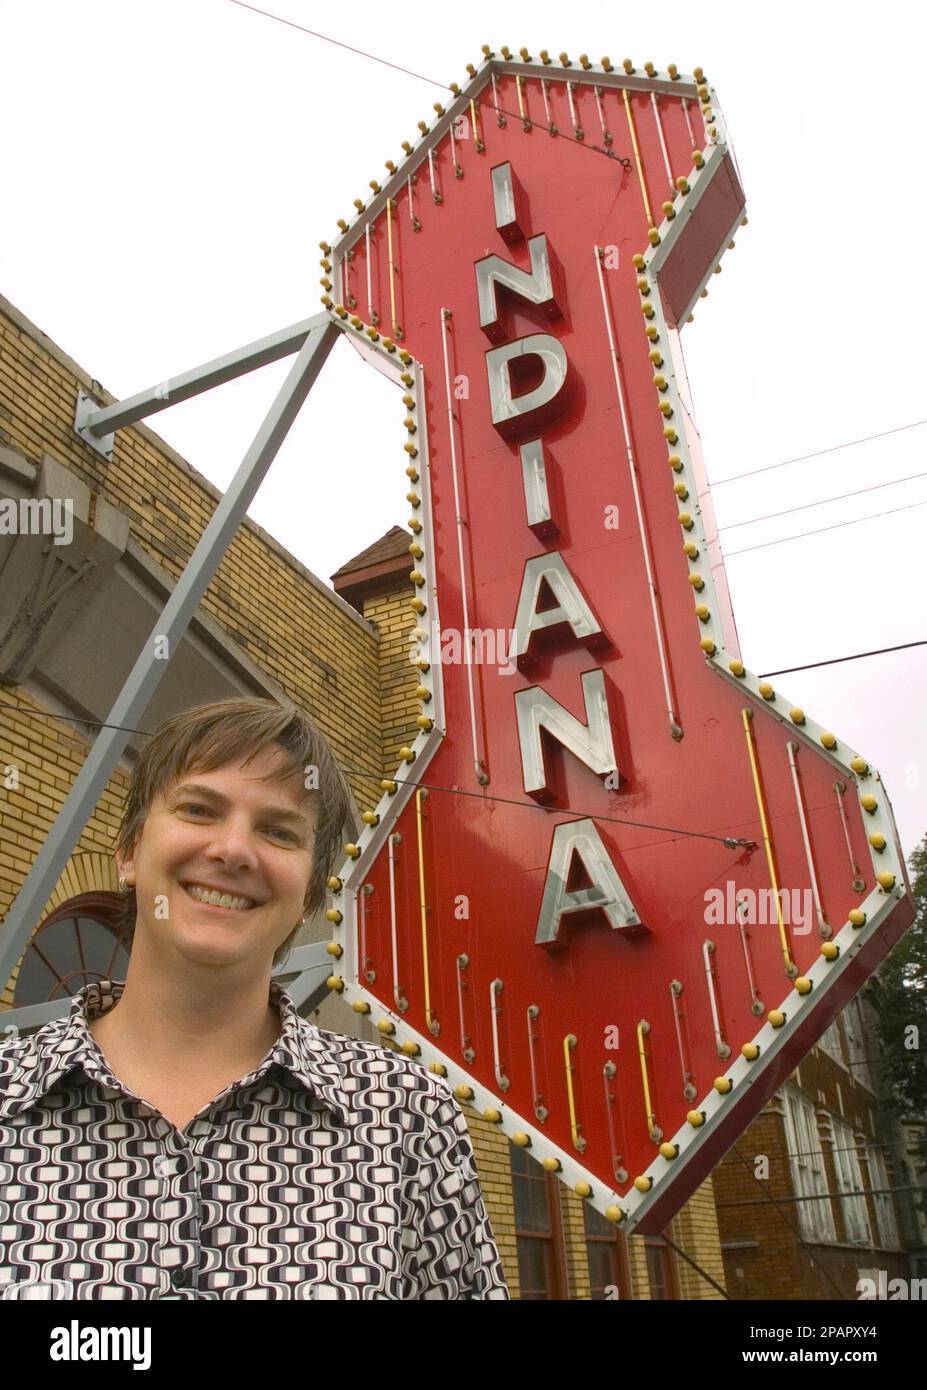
338 1169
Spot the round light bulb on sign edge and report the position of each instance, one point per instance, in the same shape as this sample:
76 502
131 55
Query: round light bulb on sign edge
723 1084
856 917
334 948
333 915
438 1068
776 1017
643 1184
868 803
830 950
877 841
669 1151
582 1189
522 1139
802 984
360 1006
551 1165
335 983
829 741
886 880
386 1025
463 1092
411 1049
334 883
696 1118
766 690
751 1051
859 765
797 715
736 667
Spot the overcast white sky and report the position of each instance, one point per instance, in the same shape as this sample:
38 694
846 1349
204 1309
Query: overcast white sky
169 167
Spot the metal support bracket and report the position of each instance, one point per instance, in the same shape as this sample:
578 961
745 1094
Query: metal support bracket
85 410
315 338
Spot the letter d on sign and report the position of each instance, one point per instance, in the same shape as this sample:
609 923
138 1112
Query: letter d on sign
511 414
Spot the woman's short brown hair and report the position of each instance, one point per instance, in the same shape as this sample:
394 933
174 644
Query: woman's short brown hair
209 736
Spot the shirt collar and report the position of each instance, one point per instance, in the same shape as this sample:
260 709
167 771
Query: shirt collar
58 1047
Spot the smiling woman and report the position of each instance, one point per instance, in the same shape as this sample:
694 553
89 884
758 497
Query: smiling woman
277 745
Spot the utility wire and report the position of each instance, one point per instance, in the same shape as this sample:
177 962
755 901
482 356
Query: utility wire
516 116
804 506
819 453
817 531
729 841
835 660
695 1265
795 1232
338 44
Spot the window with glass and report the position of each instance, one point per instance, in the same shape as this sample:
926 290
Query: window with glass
881 1197
81 941
849 1180
829 1042
855 1033
538 1229
661 1268
607 1253
806 1162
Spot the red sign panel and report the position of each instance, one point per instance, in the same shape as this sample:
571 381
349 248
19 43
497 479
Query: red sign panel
639 883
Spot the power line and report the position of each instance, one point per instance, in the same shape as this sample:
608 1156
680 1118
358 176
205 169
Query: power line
819 453
829 1196
729 841
338 44
796 1233
689 1260
835 660
804 506
817 531
374 58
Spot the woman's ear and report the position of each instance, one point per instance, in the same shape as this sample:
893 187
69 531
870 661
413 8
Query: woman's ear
126 867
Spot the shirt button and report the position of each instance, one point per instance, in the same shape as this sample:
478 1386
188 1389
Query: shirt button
182 1278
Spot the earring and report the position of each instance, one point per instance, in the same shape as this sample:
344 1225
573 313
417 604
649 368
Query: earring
123 884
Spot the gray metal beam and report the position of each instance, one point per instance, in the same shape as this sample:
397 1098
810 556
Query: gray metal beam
97 423
146 674
307 991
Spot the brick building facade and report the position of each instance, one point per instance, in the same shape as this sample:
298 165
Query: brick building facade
72 620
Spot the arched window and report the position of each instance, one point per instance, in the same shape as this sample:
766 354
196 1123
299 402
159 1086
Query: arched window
79 942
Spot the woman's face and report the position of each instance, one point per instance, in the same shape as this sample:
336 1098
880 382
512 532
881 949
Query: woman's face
230 832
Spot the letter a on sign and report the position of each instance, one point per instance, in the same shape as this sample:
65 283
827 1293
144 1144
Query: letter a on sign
594 800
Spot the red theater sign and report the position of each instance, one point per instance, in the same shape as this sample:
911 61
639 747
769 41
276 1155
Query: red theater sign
638 883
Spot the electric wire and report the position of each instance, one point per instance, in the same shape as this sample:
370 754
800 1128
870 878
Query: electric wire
729 841
516 116
873 516
804 506
818 453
